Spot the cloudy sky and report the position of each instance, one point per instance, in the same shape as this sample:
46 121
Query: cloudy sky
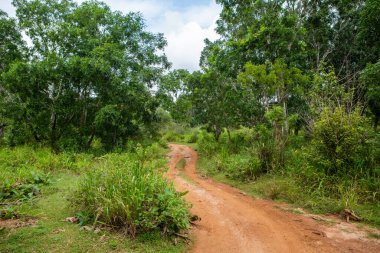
185 23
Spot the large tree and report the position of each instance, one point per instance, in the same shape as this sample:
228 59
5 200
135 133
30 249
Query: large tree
12 48
90 69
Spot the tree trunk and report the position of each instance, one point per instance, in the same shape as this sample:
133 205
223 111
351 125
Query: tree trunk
286 123
217 132
89 142
53 132
2 126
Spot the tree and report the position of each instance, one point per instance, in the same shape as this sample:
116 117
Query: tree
85 61
273 83
11 44
259 31
370 78
174 95
12 48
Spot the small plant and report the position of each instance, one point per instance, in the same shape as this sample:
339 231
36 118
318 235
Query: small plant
274 191
8 212
26 189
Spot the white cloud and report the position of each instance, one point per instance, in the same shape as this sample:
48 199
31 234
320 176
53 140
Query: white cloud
6 5
149 8
186 31
185 45
185 28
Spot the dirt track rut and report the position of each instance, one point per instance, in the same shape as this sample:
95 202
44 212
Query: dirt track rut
233 222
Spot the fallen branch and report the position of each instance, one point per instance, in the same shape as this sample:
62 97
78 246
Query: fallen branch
182 236
349 214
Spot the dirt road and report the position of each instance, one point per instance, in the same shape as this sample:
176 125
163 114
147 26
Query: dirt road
233 222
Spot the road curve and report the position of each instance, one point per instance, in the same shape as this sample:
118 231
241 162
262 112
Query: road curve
233 222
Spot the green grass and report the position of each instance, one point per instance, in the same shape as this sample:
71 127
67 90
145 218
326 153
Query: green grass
129 193
181 164
284 188
53 234
53 203
373 235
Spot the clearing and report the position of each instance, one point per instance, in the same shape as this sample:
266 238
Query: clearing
230 221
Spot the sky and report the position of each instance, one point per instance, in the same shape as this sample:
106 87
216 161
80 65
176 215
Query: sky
185 24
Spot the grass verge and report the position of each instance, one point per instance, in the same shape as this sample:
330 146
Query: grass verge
53 234
283 188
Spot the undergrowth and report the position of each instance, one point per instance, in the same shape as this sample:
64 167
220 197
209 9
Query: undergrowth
123 192
239 159
128 193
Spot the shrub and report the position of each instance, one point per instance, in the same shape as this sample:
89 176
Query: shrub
206 143
267 151
128 193
192 136
342 141
243 167
25 170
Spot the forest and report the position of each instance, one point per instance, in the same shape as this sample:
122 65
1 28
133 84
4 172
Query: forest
285 107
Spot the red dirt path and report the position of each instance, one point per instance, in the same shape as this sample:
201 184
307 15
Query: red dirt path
233 222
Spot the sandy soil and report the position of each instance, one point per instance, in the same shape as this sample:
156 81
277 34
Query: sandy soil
17 223
233 222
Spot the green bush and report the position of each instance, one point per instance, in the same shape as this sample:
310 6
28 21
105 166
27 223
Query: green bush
342 141
128 192
267 151
192 136
242 167
206 143
19 191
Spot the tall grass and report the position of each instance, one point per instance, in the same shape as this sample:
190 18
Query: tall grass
24 170
129 193
303 180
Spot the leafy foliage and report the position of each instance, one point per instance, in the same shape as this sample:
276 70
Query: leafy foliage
84 61
343 141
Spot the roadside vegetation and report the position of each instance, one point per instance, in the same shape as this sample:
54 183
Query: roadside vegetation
84 202
286 106
80 167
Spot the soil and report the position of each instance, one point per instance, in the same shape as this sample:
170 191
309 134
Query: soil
231 221
17 223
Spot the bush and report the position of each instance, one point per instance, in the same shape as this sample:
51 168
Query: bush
19 191
242 167
206 143
237 140
25 170
341 139
127 192
192 136
269 154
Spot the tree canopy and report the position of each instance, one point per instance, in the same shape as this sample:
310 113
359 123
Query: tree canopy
88 72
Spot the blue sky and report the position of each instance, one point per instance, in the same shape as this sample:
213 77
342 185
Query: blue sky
185 23
186 3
